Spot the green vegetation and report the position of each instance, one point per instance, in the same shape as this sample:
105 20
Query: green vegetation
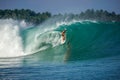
37 18
27 15
100 15
91 14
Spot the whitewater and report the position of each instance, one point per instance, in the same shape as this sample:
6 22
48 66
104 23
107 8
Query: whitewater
10 41
18 44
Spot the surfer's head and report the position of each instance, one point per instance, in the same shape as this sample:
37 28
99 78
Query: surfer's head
65 30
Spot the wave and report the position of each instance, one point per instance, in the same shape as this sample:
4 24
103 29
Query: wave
20 39
84 40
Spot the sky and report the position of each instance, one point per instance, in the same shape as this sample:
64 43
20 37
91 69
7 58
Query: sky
61 6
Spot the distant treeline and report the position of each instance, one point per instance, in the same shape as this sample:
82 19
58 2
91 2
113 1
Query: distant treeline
91 14
101 15
37 18
25 14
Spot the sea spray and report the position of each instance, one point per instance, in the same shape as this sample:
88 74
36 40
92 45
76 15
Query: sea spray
10 40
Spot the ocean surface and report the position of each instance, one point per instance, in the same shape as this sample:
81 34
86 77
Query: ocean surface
29 52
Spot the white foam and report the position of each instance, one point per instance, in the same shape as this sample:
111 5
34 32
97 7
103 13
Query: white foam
10 41
43 41
74 21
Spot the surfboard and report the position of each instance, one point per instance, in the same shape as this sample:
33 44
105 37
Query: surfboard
62 41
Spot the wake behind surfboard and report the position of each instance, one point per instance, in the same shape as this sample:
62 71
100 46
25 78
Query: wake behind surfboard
57 36
52 37
47 40
62 41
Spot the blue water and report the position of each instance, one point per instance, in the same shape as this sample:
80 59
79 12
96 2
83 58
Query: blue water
102 69
91 51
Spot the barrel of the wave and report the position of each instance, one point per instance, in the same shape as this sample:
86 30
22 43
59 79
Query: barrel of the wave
47 46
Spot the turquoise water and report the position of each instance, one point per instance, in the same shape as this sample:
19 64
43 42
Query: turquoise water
91 51
100 69
84 40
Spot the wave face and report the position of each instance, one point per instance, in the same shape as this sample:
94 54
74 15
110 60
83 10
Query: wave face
84 40
91 40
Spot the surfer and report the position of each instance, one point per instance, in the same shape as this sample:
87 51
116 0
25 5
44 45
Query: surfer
63 35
